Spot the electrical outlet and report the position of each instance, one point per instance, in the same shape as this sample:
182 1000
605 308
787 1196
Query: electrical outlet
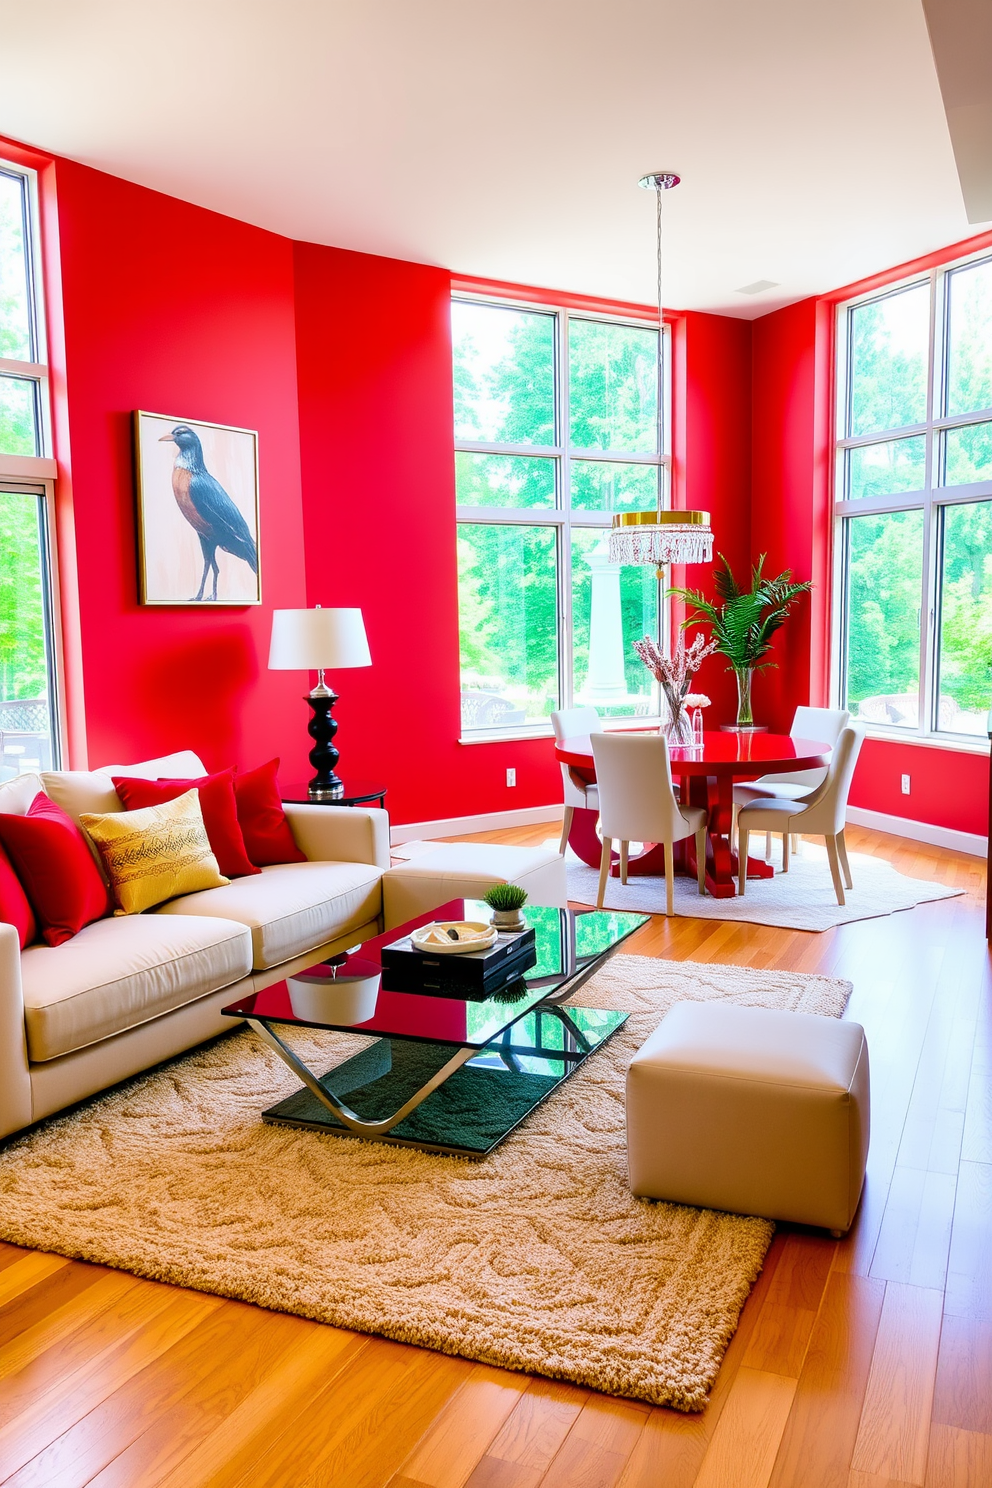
511 777
905 785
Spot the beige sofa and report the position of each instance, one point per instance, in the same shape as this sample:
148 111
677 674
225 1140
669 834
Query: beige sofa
129 991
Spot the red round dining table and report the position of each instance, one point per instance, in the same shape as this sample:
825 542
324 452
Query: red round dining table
708 772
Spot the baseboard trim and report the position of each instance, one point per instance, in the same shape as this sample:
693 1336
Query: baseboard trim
528 816
917 831
488 821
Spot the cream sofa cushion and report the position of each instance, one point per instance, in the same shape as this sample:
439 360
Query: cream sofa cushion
466 870
117 973
183 765
292 907
16 795
77 791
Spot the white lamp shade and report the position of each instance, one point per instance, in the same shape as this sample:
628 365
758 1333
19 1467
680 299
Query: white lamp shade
309 640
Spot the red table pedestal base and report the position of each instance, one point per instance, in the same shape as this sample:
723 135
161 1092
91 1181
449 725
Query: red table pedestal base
716 794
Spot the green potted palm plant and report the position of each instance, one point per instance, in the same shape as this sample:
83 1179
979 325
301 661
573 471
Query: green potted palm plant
744 623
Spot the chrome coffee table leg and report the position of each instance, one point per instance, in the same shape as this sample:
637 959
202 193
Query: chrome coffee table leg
337 1107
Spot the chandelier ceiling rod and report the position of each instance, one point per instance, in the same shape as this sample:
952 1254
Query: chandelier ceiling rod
662 536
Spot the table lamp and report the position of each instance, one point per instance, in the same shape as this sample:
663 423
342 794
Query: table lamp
312 640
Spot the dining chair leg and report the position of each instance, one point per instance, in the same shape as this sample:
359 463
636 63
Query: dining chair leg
701 858
742 837
566 827
845 866
669 878
786 845
797 844
624 849
833 856
768 847
733 825
604 870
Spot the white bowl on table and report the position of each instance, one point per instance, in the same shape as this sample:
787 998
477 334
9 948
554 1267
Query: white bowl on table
472 935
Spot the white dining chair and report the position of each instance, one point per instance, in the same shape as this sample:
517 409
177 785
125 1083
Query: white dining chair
822 813
823 725
637 804
569 723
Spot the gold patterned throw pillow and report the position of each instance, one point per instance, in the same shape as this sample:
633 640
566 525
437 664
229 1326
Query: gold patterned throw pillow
154 854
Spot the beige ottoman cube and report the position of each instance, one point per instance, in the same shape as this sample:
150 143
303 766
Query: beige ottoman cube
465 870
751 1110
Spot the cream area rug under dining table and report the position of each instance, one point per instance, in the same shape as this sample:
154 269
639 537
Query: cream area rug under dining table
537 1258
802 899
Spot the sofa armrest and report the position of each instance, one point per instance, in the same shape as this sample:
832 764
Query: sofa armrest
340 834
15 1079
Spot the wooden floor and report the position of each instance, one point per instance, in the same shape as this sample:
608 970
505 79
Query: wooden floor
865 1363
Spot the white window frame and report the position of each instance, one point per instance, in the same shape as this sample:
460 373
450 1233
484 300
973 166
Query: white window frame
34 475
561 516
931 499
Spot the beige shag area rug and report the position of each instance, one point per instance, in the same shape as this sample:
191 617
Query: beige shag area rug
537 1258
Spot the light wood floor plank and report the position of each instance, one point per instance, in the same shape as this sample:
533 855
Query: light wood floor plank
534 1430
58 1408
819 1437
746 1441
969 1266
54 1326
959 1459
915 1236
596 1449
963 1392
360 1429
49 1363
455 1442
28 1272
225 1450
218 1362
785 1322
894 1431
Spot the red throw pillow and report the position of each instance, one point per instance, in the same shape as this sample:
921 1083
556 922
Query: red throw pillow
268 838
15 907
220 813
56 868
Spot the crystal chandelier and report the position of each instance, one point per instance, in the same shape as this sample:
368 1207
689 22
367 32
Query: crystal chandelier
662 536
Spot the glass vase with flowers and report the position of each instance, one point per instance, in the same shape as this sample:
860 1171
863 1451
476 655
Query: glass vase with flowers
674 674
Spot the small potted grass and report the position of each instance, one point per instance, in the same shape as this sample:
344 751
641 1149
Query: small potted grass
506 901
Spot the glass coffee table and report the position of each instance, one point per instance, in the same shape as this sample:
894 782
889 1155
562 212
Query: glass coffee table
446 1073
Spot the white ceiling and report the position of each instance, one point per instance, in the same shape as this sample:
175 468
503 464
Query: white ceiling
505 139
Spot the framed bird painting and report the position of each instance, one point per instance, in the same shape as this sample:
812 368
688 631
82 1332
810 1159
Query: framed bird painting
197 512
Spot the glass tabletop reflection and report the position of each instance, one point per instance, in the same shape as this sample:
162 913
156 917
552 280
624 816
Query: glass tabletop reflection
346 993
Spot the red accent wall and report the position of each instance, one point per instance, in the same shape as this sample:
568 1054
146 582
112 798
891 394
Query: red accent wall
948 787
177 310
712 450
782 507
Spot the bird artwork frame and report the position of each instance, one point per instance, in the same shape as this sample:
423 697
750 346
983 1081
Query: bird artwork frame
197 497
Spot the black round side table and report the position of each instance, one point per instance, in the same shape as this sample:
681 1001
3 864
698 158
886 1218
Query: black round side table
356 793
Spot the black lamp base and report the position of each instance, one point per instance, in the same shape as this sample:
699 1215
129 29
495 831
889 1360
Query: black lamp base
325 785
332 791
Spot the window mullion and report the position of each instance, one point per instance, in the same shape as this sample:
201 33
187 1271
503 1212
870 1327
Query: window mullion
927 720
566 647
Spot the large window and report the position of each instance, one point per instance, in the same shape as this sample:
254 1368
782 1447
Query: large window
914 504
28 736
558 424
